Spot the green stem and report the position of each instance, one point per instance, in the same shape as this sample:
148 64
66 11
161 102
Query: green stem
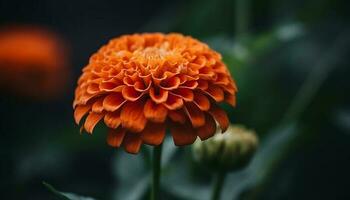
242 17
219 182
156 165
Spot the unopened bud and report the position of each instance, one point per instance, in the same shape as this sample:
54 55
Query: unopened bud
231 150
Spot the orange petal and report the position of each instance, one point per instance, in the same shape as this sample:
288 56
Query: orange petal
230 99
80 112
200 60
115 136
113 101
97 107
173 102
206 73
209 128
130 80
195 114
170 83
183 134
91 121
201 101
189 84
112 119
158 95
183 78
185 93
86 97
132 143
155 112
129 93
141 86
111 87
177 116
202 84
153 134
215 92
231 88
93 88
220 116
220 68
193 72
132 116
222 79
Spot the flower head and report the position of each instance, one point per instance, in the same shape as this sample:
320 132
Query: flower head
142 84
32 61
230 151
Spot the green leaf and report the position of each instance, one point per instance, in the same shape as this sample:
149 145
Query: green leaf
64 195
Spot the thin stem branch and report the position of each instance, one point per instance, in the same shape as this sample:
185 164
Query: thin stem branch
156 166
219 182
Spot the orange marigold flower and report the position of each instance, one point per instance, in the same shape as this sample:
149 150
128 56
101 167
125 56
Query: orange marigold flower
143 84
32 61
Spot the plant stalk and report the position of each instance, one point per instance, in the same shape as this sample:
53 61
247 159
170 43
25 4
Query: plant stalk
218 184
156 167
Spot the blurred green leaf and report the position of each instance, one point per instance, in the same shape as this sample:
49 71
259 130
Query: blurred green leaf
132 173
248 49
180 183
269 151
342 119
64 195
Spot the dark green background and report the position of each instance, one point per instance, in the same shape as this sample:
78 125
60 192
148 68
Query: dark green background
292 69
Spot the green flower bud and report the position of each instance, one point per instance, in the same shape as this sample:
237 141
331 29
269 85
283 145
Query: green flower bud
229 151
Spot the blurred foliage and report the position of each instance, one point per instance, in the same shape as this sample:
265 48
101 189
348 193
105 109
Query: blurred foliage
64 195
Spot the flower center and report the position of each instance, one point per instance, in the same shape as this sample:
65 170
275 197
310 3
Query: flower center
153 56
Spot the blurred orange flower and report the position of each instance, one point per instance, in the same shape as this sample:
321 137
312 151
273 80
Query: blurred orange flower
143 84
32 61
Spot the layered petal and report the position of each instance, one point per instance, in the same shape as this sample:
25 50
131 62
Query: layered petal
112 119
177 116
201 101
155 112
158 95
215 92
173 102
80 112
129 93
230 99
113 101
132 143
153 134
208 129
132 117
91 121
195 115
183 134
220 116
115 137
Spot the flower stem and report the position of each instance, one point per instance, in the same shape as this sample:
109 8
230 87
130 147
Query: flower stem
219 182
157 154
